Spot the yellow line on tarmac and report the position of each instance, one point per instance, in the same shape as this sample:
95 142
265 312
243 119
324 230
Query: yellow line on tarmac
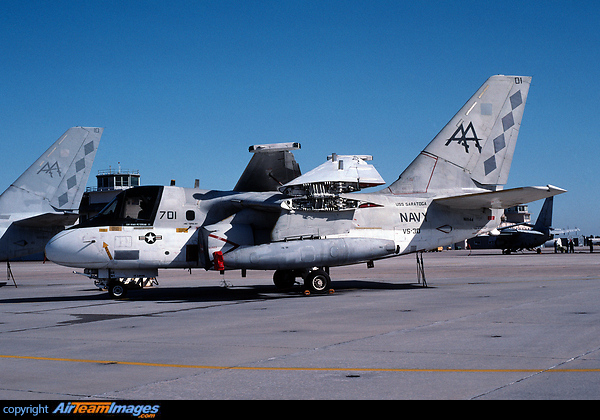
308 369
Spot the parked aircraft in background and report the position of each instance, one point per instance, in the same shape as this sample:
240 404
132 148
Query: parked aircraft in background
511 238
594 241
300 225
46 197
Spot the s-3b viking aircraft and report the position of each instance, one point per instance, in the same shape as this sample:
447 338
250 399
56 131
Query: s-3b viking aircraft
300 225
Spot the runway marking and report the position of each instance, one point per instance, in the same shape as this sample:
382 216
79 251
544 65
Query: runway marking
308 369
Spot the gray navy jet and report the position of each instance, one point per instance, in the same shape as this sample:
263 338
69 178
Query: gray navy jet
512 239
301 225
46 197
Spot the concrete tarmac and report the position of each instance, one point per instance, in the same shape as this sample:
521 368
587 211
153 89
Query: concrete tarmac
488 326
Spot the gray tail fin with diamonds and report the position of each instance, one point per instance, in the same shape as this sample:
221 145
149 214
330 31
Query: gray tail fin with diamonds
56 181
475 149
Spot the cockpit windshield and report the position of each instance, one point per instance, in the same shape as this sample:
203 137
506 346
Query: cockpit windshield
133 207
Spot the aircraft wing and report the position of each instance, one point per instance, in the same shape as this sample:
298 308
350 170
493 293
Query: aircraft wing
259 203
500 199
272 166
564 231
513 226
48 219
339 169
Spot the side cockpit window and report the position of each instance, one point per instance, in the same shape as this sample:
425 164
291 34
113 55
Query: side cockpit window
132 207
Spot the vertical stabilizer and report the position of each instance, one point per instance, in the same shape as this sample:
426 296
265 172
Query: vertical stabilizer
475 149
56 181
544 220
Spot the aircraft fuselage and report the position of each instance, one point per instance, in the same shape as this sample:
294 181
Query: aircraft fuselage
188 227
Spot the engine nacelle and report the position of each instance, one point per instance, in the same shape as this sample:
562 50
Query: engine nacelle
308 253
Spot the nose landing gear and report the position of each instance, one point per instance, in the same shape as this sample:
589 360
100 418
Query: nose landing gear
116 289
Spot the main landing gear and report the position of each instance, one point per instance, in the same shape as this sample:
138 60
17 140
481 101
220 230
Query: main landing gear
316 280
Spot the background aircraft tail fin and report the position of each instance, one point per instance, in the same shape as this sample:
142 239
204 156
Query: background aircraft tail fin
475 149
544 220
57 180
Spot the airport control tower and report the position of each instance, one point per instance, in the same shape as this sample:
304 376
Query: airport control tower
518 214
110 182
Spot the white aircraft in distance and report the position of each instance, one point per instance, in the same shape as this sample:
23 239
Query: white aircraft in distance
301 225
46 197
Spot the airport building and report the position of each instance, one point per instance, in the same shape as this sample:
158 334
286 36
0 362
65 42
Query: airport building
516 214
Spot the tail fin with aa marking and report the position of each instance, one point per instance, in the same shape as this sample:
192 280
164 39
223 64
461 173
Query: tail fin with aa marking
56 181
475 149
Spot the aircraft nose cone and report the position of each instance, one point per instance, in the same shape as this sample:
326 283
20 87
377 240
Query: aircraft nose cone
70 248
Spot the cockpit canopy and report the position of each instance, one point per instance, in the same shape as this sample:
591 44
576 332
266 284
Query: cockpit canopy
132 207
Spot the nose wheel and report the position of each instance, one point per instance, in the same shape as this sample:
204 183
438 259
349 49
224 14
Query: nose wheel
116 289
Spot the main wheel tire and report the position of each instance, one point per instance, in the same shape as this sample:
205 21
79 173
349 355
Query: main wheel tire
116 289
317 281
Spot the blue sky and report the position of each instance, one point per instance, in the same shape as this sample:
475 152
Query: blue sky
183 88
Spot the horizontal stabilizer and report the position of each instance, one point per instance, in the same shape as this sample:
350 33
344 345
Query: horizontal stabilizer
48 219
500 199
